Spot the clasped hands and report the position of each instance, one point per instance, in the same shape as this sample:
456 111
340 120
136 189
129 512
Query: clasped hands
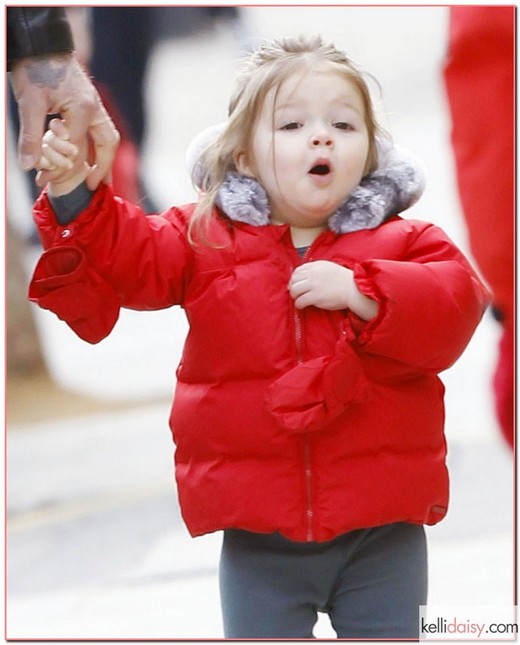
57 84
64 163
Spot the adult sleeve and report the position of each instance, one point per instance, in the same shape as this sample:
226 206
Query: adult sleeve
37 31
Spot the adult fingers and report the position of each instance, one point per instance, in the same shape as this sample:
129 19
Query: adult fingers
32 113
93 120
105 139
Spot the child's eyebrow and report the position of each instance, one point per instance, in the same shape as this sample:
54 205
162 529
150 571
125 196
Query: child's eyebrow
287 105
290 105
347 104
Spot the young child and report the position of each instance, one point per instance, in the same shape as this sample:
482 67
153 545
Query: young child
308 414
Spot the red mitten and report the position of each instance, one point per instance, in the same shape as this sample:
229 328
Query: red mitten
64 283
312 394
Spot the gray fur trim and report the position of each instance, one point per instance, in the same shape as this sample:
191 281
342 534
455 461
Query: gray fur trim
243 199
396 184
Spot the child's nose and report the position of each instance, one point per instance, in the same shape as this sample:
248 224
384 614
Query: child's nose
322 138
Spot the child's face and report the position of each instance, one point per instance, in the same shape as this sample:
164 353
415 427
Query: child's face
309 148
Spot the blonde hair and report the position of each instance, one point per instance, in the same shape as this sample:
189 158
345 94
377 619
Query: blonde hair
269 67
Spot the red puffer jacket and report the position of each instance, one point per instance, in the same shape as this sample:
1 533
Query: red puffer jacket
311 422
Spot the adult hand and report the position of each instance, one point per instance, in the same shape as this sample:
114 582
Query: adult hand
57 84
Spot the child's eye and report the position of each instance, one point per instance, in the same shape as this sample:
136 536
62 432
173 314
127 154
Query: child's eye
343 125
292 125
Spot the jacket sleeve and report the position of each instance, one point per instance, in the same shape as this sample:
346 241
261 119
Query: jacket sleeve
430 303
112 255
36 31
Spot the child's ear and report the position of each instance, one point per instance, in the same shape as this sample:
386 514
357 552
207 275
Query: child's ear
242 164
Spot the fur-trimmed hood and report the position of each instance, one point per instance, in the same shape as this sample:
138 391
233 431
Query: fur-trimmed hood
394 186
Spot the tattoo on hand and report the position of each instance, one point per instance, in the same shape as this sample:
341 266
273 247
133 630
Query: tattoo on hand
44 74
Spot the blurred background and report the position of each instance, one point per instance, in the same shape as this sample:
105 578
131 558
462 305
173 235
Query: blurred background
96 545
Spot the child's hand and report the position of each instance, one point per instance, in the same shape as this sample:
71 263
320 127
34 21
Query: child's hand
65 162
328 285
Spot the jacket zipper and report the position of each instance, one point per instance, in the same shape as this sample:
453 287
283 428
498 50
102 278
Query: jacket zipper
308 483
309 512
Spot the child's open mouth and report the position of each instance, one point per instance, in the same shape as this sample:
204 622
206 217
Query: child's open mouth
320 169
321 173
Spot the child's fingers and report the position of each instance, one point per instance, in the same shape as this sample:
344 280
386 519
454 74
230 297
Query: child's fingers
45 164
57 126
55 158
61 160
44 176
56 142
57 151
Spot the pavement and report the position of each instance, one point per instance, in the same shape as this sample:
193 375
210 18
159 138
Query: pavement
96 547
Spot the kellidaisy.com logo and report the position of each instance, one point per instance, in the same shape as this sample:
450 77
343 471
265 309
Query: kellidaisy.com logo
471 623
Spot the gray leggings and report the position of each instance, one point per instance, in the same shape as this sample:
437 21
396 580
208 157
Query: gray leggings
370 582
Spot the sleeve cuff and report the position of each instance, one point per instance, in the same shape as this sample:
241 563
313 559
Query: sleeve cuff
68 207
